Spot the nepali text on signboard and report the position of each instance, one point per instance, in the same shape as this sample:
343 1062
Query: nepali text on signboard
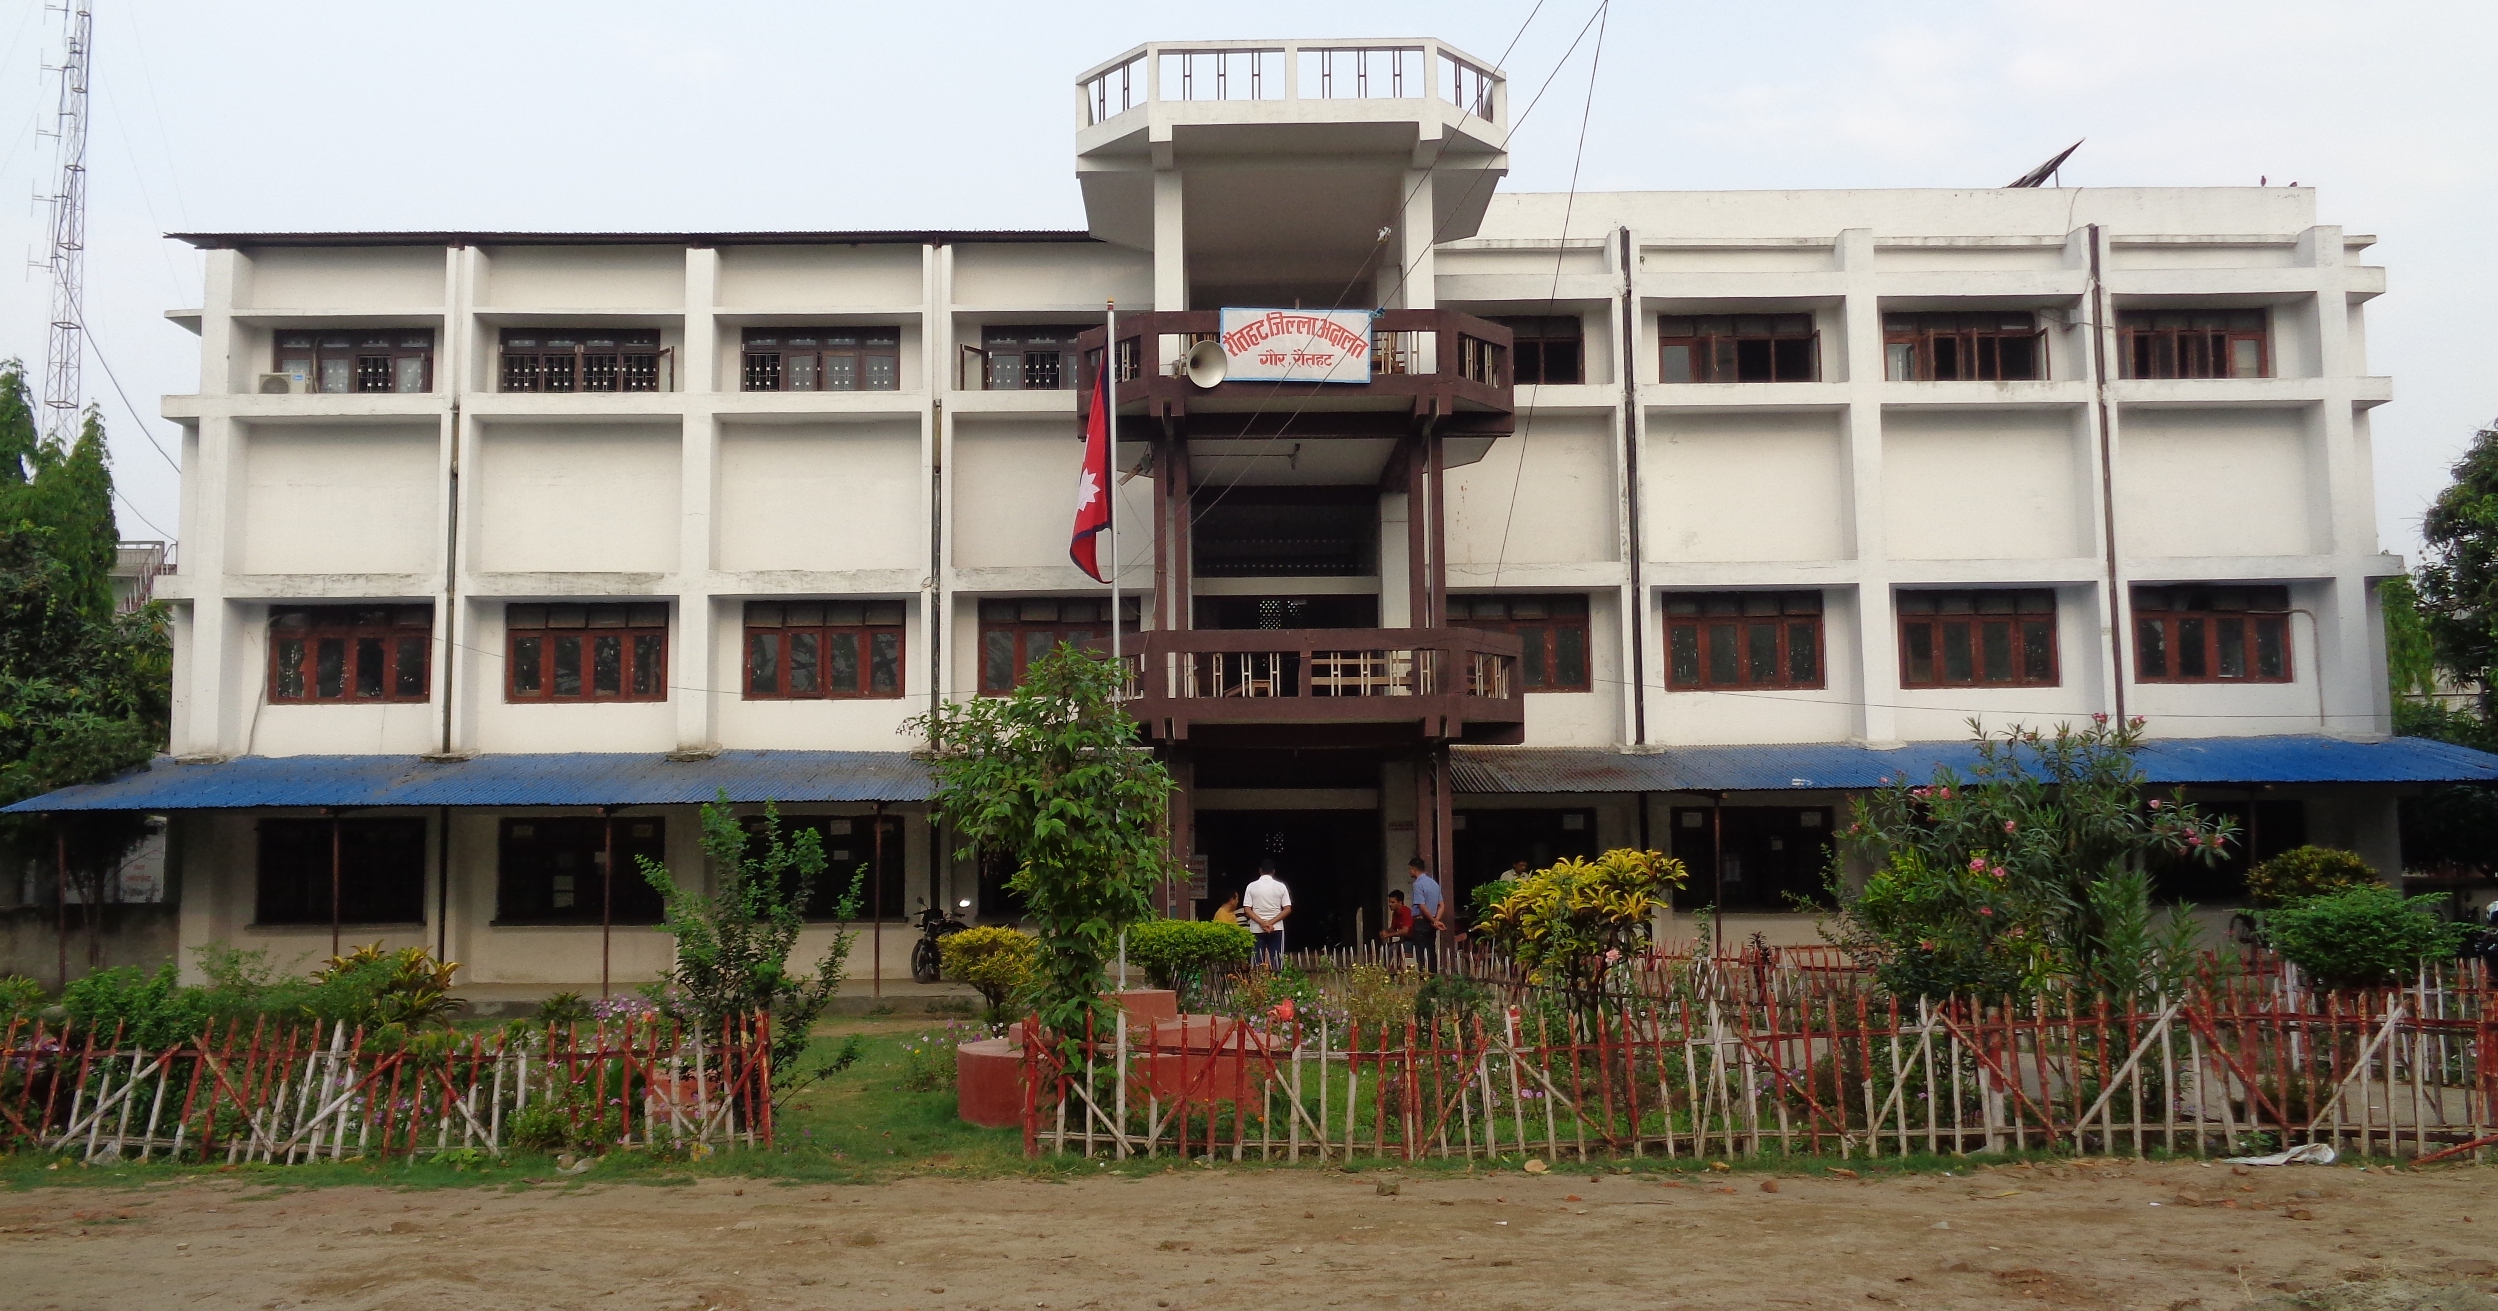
1296 345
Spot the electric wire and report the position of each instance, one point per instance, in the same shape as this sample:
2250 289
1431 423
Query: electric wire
92 345
1552 298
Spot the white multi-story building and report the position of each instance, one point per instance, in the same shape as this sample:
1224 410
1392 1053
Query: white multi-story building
1658 517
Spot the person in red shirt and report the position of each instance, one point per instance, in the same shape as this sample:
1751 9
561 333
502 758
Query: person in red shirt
1400 931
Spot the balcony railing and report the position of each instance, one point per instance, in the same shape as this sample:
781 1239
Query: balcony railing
1289 70
1444 678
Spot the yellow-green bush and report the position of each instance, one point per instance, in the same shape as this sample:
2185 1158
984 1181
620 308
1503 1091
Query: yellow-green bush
1571 922
994 959
2306 872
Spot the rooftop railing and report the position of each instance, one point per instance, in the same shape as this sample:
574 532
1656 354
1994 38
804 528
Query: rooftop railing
1288 70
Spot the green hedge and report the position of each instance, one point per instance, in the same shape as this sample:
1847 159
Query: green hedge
1174 951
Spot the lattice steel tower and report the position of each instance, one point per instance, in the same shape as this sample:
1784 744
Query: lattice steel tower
63 387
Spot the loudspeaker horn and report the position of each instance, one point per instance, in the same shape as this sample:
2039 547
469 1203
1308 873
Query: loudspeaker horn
1205 364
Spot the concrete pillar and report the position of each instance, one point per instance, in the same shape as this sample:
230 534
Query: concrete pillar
2350 654
1170 241
1412 284
692 656
1877 670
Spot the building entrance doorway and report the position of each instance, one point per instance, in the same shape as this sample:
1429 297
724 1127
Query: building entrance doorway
1329 858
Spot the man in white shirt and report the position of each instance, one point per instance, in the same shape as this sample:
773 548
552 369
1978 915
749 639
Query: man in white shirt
1425 939
1264 904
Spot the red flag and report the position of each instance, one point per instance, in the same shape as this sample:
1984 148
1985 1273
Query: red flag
1093 481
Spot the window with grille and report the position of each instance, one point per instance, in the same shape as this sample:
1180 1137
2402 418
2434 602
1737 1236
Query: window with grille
380 871
1013 634
1552 629
1738 348
823 359
342 654
359 359
808 650
1964 346
610 652
1548 348
1022 357
2194 343
1743 640
554 870
583 359
2196 633
1997 638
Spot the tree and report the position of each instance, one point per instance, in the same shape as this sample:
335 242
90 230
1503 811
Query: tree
2029 869
733 946
2458 579
1052 777
2441 634
85 690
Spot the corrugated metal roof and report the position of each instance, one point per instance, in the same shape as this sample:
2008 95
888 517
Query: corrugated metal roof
857 237
570 779
1779 767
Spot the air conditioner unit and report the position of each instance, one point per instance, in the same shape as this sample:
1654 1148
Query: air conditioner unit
283 384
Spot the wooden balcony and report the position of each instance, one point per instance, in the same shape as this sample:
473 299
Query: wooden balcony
1380 686
1437 370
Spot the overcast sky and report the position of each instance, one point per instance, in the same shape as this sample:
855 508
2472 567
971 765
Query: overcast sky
553 114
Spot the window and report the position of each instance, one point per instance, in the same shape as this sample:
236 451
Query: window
552 870
1974 346
1013 634
582 359
1964 639
2194 344
823 359
344 653
849 842
381 871
360 359
1285 532
2203 634
1738 348
1549 349
586 652
1743 639
811 649
1018 357
1553 629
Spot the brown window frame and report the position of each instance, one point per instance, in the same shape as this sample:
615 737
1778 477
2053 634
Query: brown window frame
1975 338
1022 357
1695 622
777 632
844 357
381 871
1738 348
380 638
1034 626
1546 349
570 361
2192 343
531 673
1547 626
362 360
1936 625
526 889
2210 626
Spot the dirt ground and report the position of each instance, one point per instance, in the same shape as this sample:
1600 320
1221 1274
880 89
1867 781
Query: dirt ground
2152 1236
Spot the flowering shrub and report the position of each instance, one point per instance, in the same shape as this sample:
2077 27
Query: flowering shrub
2030 868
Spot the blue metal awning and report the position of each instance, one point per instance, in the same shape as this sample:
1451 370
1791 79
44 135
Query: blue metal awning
549 779
1781 767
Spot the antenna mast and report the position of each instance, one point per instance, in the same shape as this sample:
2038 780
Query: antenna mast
63 387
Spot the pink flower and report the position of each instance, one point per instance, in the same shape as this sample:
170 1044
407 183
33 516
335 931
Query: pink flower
2155 803
1999 874
1283 1009
2194 839
1986 910
2008 826
1613 955
1926 943
1947 794
1976 863
2098 719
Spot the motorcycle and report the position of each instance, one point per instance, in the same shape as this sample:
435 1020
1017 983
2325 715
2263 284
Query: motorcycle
927 959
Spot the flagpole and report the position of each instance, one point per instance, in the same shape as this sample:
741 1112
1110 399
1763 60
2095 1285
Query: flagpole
1110 480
